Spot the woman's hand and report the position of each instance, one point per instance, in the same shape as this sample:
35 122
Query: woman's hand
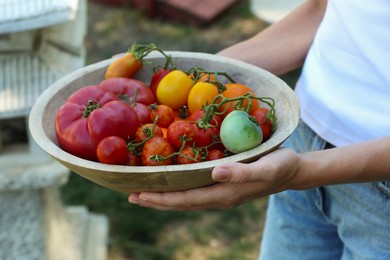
237 183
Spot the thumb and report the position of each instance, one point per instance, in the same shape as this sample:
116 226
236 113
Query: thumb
235 172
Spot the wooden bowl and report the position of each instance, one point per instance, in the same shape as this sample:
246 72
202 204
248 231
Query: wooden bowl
131 179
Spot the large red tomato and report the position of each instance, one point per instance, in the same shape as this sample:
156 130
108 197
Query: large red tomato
88 116
126 89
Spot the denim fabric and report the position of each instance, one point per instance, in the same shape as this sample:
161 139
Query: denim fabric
349 221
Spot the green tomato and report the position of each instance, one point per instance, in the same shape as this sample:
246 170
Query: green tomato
240 132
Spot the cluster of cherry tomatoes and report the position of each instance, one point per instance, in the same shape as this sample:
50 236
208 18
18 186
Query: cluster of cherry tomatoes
180 117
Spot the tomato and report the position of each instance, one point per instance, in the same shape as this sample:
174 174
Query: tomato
178 130
214 155
240 132
126 90
203 77
234 90
131 62
147 131
157 151
125 66
189 155
133 159
201 94
88 116
143 112
156 78
215 121
205 137
165 132
174 88
165 114
112 150
265 123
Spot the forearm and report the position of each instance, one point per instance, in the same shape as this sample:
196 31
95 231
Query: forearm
282 46
363 162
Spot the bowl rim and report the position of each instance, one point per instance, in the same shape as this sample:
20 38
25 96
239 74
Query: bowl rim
38 134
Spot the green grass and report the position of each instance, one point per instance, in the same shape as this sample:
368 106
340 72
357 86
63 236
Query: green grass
141 233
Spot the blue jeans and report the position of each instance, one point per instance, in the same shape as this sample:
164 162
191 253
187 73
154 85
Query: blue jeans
349 221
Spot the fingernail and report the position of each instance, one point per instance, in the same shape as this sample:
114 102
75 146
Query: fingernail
221 174
133 199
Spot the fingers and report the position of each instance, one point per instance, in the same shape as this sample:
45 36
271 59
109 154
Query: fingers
216 196
239 172
269 168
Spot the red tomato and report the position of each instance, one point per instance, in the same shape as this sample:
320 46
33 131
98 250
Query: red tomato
157 151
180 131
112 150
205 137
216 120
126 89
265 123
234 90
145 132
214 155
88 116
143 112
133 159
165 114
189 155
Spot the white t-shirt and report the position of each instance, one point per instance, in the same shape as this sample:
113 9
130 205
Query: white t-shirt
344 89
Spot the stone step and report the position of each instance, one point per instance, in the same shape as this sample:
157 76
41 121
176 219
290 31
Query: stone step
90 232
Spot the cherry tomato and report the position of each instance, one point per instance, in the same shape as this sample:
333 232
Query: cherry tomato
112 150
145 131
174 88
201 94
265 123
189 155
203 77
240 132
178 130
165 114
157 151
214 155
234 90
216 120
205 137
133 159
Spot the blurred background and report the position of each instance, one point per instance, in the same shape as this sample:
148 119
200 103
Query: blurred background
186 25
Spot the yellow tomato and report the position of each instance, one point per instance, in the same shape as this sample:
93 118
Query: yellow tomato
201 94
174 88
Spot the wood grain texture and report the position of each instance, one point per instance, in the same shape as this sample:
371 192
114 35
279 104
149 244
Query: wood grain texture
130 179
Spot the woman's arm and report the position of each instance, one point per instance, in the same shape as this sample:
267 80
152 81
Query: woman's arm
282 46
277 171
